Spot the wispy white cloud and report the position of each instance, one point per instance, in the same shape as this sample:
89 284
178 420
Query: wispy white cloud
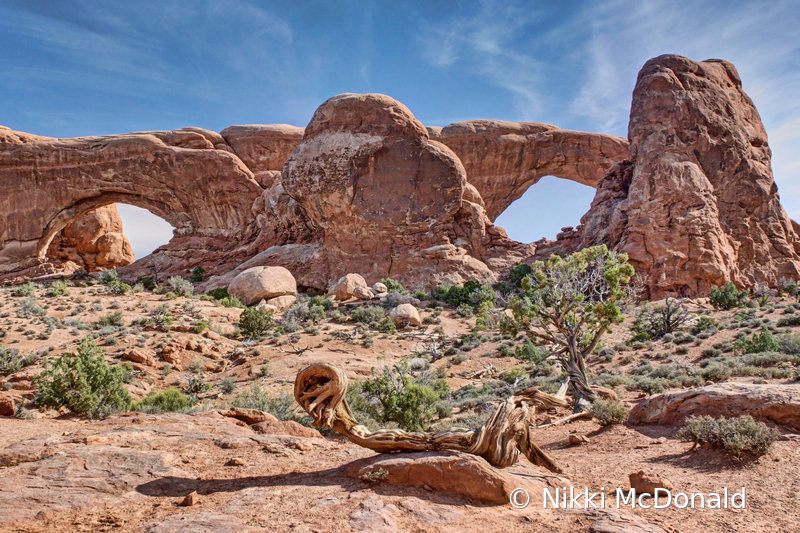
488 41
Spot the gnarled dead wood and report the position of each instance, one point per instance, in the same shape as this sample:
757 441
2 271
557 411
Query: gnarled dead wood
320 389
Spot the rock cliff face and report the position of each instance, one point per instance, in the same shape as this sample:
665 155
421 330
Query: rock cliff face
698 205
94 241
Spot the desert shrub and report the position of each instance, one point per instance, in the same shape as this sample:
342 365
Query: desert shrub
657 321
196 384
83 383
394 286
609 412
386 326
513 375
255 322
716 371
471 294
180 286
27 289
517 273
736 436
761 342
371 315
11 361
227 385
57 288
464 311
528 352
727 297
166 401
282 406
307 310
789 344
29 308
111 319
704 323
161 316
197 274
398 396
711 352
791 320
219 293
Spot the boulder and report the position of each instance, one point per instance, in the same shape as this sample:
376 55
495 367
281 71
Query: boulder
645 483
363 293
262 283
774 402
379 288
142 356
344 289
267 307
282 302
464 474
6 405
405 315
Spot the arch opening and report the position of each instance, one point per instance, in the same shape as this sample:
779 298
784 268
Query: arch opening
545 208
99 235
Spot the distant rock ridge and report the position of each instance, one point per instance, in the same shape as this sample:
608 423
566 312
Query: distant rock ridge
366 188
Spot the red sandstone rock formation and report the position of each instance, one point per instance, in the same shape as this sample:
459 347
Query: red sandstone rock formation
94 241
698 206
503 159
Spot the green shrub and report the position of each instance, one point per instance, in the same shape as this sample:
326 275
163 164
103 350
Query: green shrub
517 273
657 321
57 288
29 308
146 282
111 319
791 320
83 383
27 289
609 412
227 385
727 297
512 375
282 406
219 293
166 401
528 352
763 342
394 286
307 310
180 286
716 372
255 322
368 314
197 274
11 361
471 293
386 326
161 316
399 397
736 436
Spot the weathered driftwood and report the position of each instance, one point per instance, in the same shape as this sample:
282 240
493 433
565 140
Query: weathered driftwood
320 389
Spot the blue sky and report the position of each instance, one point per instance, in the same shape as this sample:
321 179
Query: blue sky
72 68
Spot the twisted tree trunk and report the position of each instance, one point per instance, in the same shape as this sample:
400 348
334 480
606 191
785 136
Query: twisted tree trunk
320 389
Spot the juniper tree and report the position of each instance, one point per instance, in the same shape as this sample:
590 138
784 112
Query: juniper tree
568 304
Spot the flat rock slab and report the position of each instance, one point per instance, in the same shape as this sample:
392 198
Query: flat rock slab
464 474
202 523
777 403
615 521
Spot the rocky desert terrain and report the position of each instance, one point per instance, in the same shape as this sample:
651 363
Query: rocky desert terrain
341 289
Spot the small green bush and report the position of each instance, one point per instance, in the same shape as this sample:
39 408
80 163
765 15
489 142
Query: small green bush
11 361
180 286
517 273
255 322
763 342
166 401
27 289
609 412
197 274
727 297
29 308
368 314
528 352
57 288
111 319
83 383
394 286
736 436
386 326
400 397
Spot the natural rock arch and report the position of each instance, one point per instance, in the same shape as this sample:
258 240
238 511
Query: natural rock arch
189 177
503 159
